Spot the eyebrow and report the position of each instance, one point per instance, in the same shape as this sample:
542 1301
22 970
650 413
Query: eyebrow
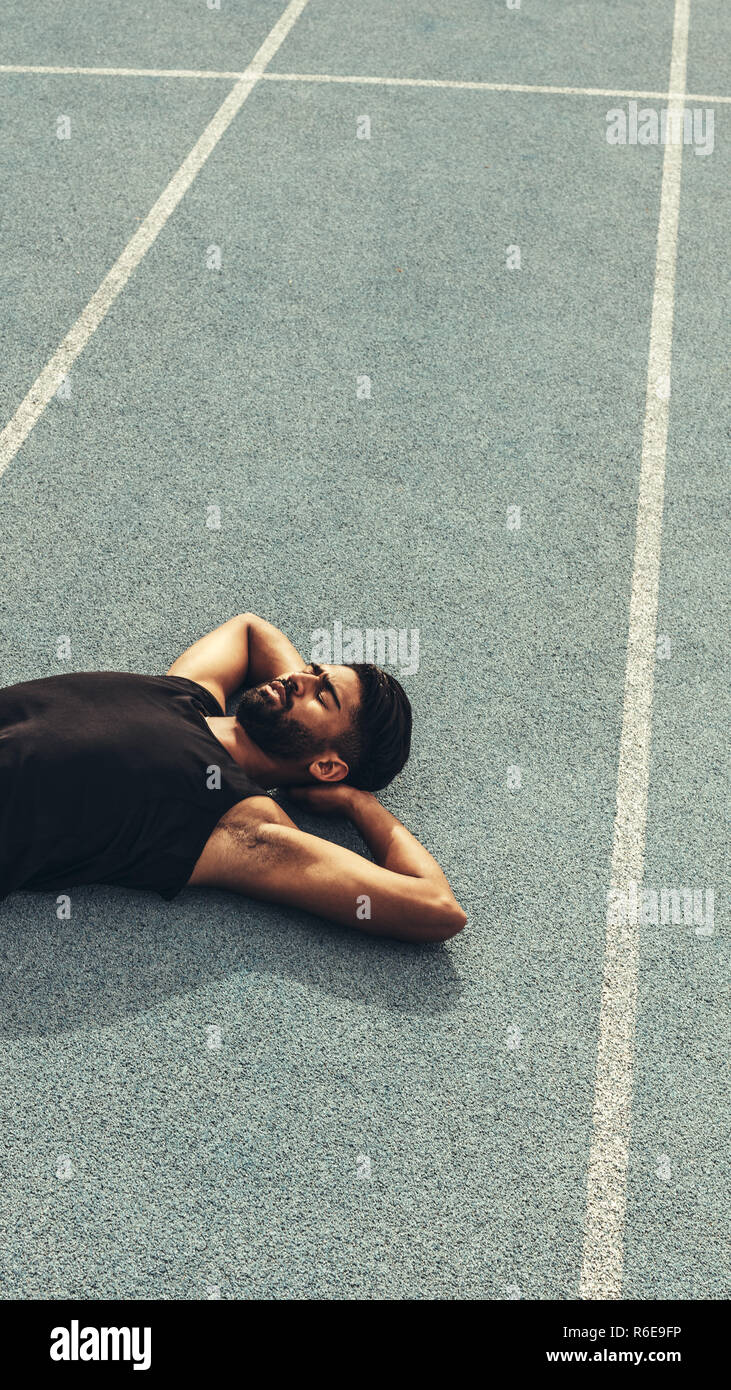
327 683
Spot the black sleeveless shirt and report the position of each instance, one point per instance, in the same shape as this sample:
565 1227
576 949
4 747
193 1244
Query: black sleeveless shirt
107 777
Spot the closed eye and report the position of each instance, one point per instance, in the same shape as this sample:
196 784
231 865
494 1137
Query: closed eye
326 685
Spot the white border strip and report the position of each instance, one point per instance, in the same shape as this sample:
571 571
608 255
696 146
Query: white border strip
44 387
454 84
601 1276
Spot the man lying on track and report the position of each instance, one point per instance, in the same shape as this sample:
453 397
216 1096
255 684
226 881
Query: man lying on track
145 782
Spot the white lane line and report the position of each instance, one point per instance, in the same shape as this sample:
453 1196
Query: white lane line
459 85
117 72
205 73
495 87
601 1276
44 387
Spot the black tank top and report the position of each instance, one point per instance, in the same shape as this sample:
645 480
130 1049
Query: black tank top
107 777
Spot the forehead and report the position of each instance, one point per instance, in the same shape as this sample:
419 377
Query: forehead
346 682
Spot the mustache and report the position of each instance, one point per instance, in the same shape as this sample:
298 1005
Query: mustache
266 725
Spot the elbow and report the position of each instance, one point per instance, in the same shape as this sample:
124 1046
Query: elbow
455 921
431 916
447 920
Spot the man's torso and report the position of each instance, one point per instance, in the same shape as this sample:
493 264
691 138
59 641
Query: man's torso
110 777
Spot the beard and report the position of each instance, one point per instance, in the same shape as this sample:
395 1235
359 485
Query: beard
271 728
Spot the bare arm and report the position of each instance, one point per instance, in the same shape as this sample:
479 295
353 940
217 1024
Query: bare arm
246 650
391 844
258 850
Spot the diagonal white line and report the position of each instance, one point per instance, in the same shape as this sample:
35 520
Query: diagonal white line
41 392
602 1270
453 83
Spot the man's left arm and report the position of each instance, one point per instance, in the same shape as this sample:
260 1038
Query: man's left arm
246 650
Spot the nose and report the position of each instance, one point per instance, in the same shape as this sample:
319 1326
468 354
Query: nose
300 682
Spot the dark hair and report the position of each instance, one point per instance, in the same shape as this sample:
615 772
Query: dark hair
377 744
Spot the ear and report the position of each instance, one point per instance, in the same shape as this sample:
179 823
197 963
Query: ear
328 768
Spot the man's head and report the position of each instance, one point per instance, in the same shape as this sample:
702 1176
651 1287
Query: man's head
332 723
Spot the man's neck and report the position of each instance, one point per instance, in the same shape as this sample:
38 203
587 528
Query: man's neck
268 772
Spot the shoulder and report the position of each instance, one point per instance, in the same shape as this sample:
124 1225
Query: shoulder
243 845
204 690
253 813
